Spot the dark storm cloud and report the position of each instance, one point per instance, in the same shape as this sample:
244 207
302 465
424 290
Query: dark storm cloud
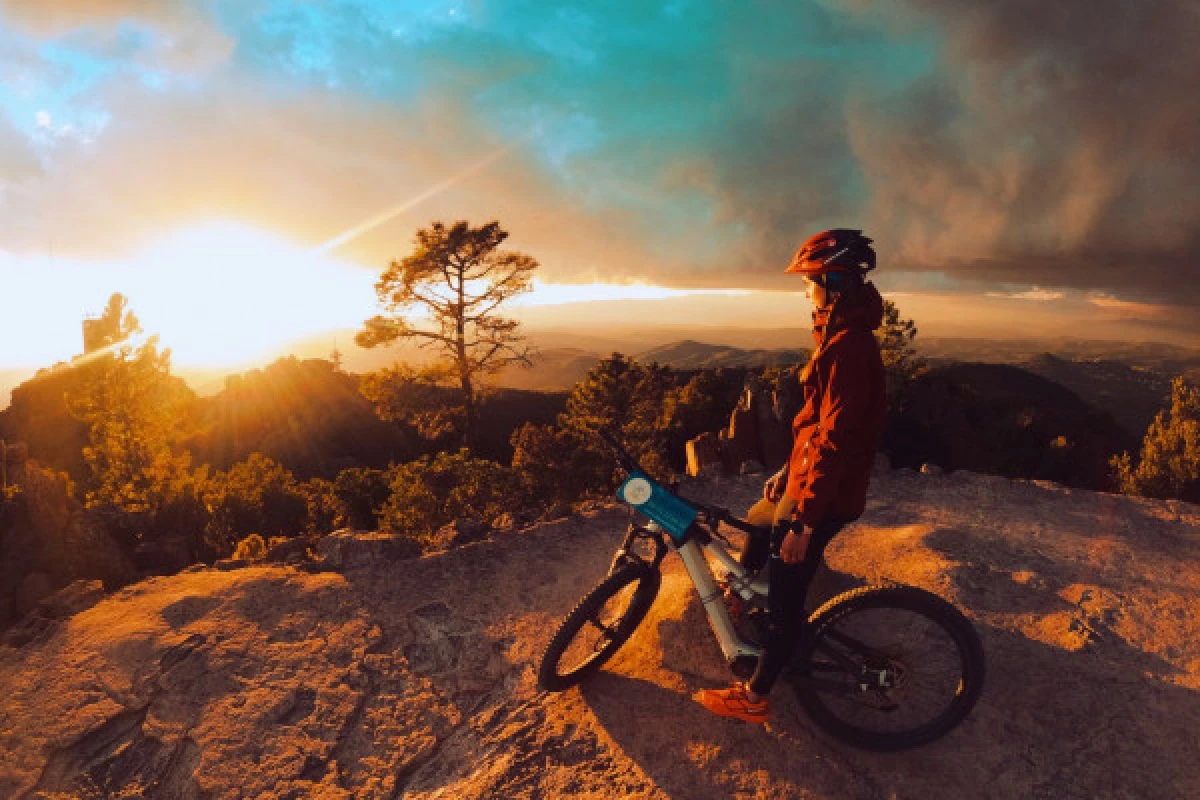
1055 144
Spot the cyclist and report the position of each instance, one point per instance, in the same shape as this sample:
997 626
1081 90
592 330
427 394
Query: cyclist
823 485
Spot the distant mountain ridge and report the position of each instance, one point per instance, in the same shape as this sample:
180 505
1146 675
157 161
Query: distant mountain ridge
1132 394
559 369
689 354
565 356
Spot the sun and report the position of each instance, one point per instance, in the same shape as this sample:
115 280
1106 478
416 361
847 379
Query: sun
226 294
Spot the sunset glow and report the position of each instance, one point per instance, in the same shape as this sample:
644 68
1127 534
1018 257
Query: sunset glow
223 294
244 173
218 294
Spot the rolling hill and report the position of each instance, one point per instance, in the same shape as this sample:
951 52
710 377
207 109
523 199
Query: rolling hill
692 355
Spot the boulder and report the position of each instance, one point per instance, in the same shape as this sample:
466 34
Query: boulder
743 430
282 550
931 469
349 550
44 618
73 598
455 534
702 451
752 468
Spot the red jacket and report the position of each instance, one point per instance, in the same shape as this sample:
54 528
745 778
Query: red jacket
845 405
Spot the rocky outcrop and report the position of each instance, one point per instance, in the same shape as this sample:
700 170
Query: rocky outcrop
52 609
456 534
379 674
348 549
47 541
757 436
287 550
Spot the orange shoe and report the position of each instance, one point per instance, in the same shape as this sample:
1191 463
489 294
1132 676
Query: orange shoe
733 702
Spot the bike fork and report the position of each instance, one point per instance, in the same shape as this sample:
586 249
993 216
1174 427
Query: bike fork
733 647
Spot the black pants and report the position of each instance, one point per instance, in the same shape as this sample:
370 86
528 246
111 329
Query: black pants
786 595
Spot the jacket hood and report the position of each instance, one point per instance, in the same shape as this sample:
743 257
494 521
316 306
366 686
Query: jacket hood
866 314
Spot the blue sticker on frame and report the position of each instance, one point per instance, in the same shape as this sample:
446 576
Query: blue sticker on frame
674 515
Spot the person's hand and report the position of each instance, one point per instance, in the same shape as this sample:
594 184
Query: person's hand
794 546
773 488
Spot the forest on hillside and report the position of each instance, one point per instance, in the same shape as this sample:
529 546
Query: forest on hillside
296 450
113 468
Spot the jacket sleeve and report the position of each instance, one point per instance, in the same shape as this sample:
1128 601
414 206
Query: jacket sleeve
844 408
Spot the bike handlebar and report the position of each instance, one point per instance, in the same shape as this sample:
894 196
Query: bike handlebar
630 464
718 514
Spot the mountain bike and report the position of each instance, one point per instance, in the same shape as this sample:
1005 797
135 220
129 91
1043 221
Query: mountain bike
884 667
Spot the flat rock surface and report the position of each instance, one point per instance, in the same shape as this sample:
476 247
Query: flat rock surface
415 679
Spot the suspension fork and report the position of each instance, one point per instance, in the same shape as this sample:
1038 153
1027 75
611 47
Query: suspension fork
632 534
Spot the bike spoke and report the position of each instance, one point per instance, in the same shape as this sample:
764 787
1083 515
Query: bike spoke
597 623
917 656
849 642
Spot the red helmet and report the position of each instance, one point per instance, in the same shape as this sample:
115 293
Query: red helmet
837 250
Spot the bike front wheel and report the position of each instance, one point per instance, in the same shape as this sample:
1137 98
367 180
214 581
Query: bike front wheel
889 668
597 627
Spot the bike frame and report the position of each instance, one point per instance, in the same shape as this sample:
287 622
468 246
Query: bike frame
736 650
692 553
739 654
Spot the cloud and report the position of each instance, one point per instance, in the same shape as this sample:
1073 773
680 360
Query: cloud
310 164
1006 142
1054 140
1036 294
17 160
1131 310
180 37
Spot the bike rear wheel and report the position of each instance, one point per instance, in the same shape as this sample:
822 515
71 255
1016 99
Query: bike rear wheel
888 668
597 627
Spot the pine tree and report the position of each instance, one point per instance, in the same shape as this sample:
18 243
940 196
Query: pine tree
136 413
457 279
1169 466
900 359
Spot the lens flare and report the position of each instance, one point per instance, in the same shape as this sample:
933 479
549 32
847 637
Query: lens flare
387 214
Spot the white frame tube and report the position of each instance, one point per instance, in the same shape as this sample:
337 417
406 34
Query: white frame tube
732 645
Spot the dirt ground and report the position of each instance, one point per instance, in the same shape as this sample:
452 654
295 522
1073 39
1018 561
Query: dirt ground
415 679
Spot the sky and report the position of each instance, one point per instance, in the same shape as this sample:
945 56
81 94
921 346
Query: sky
243 169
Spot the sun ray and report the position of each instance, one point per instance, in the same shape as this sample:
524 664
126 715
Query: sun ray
387 214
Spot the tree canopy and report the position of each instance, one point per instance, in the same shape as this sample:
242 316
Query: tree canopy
115 325
447 296
1170 459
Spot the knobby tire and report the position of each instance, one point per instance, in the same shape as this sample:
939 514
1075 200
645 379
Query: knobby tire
827 625
585 615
